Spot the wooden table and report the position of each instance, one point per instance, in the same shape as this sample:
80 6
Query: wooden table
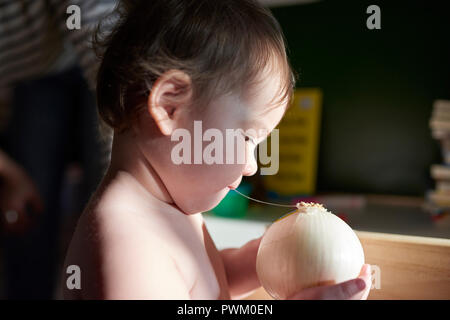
411 250
406 267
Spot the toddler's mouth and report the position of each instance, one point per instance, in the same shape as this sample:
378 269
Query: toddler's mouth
235 184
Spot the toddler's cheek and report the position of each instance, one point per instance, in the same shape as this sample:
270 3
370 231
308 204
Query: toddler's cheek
226 174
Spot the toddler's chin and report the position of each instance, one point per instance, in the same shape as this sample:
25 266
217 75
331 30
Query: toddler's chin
216 199
207 202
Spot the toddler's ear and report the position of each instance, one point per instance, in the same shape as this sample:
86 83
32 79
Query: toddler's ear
170 92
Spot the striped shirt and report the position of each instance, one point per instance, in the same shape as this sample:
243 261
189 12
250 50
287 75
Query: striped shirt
36 41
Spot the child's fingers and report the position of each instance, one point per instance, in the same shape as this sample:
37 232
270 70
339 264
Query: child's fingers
345 290
341 291
366 275
355 289
364 270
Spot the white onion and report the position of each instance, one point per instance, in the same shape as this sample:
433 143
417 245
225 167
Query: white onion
310 247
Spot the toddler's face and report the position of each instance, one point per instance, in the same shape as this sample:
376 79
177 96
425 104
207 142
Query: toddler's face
199 186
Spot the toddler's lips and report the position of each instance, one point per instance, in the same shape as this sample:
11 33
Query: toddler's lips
236 184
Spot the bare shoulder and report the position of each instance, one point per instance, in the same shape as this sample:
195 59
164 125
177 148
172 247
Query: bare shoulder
137 263
123 256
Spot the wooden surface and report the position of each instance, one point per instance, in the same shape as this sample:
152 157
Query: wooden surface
410 267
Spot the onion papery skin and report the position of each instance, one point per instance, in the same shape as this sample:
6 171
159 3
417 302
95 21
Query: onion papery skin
310 247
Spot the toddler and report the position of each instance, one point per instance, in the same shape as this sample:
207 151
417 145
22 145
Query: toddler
168 66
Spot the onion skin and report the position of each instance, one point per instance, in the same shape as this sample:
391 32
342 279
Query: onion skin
310 247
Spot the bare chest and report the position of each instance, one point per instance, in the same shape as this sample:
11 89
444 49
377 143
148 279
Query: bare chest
201 265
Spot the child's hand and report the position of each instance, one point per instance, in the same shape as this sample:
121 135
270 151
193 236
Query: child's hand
355 289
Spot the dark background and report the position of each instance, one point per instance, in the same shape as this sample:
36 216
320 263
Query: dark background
378 89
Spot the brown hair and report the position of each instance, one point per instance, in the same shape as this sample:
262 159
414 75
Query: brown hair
222 45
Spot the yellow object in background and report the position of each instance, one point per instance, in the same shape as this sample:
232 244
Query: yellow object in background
299 133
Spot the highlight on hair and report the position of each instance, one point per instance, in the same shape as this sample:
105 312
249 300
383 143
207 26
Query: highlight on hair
223 45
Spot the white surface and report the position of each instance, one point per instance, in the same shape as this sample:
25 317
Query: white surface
233 233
